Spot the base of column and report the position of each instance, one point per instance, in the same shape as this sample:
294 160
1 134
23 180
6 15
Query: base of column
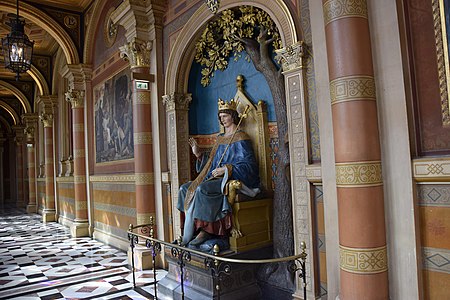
79 229
143 258
31 208
48 215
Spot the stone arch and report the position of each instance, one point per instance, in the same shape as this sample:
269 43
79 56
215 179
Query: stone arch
11 111
183 53
39 80
19 95
91 29
5 124
47 23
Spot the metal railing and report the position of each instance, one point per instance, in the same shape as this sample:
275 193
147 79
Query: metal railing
218 265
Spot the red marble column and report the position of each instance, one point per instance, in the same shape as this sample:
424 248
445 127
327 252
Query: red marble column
80 224
143 147
49 212
362 235
30 121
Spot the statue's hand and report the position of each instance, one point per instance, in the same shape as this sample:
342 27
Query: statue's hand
218 172
194 146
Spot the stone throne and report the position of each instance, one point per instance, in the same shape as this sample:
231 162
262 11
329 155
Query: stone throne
252 216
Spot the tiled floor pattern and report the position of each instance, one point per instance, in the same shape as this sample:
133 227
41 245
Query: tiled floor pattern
42 261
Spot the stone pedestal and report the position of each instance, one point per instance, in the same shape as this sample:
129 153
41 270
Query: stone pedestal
79 229
199 283
142 258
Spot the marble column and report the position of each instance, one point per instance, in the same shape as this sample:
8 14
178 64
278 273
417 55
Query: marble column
30 122
138 54
2 175
19 142
80 225
362 234
49 212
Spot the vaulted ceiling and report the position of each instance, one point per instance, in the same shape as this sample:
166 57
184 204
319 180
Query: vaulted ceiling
45 45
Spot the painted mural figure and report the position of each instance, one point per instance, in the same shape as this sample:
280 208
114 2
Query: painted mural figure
206 209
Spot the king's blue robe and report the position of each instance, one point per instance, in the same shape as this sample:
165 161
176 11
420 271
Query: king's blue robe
203 198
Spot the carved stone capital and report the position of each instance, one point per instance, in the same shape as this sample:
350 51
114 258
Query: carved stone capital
75 98
29 133
291 57
177 101
137 53
18 130
47 119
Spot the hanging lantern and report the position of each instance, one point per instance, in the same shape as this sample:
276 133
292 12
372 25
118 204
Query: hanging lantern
17 47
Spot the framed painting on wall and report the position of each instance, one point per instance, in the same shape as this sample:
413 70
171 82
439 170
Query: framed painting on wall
441 18
113 118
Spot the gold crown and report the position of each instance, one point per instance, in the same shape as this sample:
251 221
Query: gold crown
227 105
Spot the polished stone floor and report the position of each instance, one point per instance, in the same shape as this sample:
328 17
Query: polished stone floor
41 261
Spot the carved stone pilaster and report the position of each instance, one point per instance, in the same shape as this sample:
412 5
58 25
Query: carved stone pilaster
291 57
177 101
75 98
137 53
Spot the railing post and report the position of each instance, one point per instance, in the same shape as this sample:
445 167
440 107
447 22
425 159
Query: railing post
217 270
182 256
302 261
133 240
156 249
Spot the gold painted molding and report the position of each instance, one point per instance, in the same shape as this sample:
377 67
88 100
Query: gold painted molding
338 9
431 170
359 174
81 205
112 178
351 88
78 127
142 97
363 260
79 179
144 218
144 178
143 138
440 34
65 179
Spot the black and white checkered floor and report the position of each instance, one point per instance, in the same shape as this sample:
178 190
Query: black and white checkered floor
41 261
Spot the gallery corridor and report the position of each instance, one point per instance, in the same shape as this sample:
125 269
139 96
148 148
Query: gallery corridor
42 261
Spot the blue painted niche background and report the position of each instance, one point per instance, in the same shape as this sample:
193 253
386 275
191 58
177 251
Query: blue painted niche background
203 108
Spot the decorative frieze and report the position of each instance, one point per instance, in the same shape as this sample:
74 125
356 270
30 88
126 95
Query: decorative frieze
363 260
350 88
431 169
144 178
338 9
359 174
143 138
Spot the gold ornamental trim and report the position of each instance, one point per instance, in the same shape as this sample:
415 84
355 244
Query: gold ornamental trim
351 88
66 179
78 127
359 174
142 98
112 178
363 260
144 178
78 153
81 205
440 34
144 218
79 179
143 138
338 9
431 170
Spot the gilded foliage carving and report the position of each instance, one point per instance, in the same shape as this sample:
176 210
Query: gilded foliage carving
225 36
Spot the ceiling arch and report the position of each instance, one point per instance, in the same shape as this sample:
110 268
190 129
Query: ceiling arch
11 111
19 95
47 23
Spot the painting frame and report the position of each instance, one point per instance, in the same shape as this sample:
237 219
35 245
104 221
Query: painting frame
113 119
441 20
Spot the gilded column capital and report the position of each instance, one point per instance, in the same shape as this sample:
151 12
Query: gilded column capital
291 57
19 135
47 119
137 53
177 101
75 98
29 132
